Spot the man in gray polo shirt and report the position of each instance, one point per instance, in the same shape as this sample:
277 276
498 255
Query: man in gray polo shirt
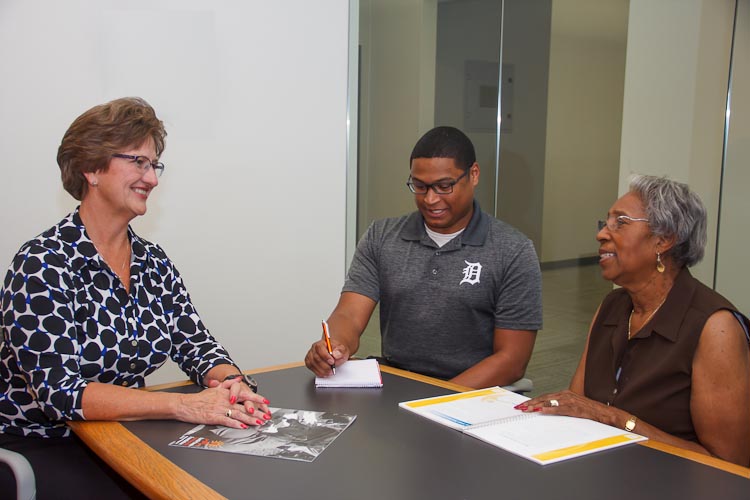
459 291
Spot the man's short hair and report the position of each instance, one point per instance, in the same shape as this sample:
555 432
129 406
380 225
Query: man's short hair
446 142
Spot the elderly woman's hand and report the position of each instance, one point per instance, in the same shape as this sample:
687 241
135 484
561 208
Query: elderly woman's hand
572 404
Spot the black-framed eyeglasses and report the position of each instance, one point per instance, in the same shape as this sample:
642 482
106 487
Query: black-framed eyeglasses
615 222
442 187
142 163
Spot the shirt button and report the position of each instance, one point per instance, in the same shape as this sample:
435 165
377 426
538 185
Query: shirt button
124 383
615 391
434 271
437 253
132 366
134 343
131 321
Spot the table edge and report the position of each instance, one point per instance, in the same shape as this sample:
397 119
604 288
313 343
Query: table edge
135 460
95 434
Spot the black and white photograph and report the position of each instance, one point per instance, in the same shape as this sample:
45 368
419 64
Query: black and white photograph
290 434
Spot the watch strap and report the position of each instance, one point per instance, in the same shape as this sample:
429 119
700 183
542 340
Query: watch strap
250 381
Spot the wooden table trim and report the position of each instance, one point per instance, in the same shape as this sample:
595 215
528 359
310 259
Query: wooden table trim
111 441
698 457
425 379
656 445
171 385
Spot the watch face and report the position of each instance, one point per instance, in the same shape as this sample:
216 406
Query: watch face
250 381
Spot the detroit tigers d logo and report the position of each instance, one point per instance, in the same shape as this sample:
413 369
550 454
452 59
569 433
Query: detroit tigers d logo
472 271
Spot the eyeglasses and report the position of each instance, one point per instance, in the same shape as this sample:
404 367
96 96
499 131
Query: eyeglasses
142 163
613 223
442 187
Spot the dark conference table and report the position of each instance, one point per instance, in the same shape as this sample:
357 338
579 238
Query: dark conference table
390 453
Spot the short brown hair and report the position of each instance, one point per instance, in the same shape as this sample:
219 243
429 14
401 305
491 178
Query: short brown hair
100 132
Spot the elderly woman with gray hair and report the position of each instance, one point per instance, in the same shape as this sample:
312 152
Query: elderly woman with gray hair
666 356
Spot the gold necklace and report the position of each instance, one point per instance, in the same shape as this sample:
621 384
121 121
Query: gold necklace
124 263
647 319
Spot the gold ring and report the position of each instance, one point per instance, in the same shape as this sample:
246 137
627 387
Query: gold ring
229 413
554 402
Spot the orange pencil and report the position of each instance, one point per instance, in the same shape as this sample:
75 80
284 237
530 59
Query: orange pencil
328 344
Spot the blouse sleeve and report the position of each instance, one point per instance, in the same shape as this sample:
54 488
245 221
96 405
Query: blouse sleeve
193 347
37 308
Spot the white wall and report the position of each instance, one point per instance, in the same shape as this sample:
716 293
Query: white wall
584 118
251 207
674 100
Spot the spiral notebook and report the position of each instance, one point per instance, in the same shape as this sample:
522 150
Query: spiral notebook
354 373
488 414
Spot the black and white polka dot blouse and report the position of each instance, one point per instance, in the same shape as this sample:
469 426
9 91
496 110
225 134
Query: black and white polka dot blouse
67 320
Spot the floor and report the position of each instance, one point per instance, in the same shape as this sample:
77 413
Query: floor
570 296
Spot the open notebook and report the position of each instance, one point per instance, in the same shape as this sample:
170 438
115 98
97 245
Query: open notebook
354 373
488 414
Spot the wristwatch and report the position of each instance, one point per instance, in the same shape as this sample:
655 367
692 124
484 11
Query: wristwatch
630 424
250 381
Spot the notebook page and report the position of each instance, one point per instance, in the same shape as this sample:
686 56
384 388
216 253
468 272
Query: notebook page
551 438
465 409
354 373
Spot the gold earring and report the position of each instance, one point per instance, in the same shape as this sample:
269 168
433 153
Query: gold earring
659 264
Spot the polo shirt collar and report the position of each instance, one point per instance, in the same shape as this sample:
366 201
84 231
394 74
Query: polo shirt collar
675 306
475 233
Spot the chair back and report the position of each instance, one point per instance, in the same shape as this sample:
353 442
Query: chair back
25 480
520 386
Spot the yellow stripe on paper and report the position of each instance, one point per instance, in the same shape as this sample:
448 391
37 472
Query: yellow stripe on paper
451 397
582 448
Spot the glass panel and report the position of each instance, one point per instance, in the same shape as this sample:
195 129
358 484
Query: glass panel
466 81
426 63
732 271
559 163
423 63
396 100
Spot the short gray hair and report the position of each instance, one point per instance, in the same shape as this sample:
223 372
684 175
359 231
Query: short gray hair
674 210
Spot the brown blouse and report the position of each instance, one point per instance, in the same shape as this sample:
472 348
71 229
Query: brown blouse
650 375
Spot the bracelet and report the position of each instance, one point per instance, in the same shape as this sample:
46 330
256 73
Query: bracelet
630 424
250 381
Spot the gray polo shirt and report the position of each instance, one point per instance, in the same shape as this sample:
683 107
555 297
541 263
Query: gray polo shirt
439 307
